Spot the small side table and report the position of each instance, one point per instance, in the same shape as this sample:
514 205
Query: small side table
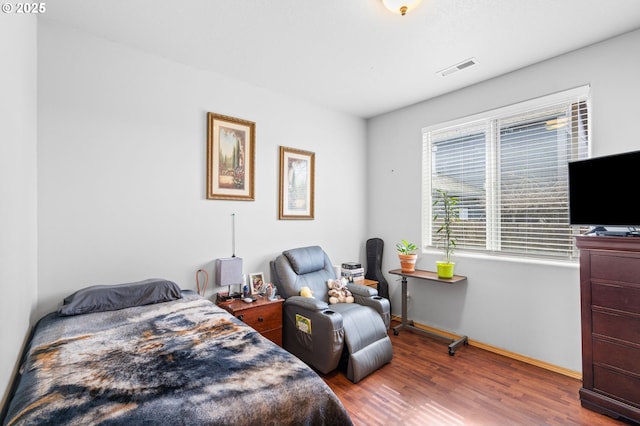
263 315
369 283
431 276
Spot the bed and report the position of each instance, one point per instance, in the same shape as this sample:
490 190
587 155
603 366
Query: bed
176 360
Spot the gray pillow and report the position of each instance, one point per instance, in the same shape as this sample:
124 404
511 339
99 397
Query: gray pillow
99 298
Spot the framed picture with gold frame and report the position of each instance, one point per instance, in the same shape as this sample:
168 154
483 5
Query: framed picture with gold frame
296 184
230 158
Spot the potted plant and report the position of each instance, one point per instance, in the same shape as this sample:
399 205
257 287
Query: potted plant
448 213
407 255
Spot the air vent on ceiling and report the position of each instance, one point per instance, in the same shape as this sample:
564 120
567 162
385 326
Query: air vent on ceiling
458 67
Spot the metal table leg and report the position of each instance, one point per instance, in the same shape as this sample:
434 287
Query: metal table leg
453 344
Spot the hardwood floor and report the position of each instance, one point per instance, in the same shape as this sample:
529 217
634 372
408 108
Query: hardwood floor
423 385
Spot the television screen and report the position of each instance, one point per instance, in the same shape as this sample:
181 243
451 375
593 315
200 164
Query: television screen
603 191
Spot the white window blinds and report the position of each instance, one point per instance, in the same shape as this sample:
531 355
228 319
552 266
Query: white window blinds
508 169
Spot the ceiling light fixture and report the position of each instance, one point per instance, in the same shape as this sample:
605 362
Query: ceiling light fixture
400 6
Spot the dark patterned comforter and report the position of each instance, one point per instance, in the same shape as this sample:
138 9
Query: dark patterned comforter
185 362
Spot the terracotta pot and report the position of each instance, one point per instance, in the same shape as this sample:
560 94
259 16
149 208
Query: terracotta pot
445 270
408 262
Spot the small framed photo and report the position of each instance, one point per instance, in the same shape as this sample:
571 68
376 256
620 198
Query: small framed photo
256 281
297 170
230 158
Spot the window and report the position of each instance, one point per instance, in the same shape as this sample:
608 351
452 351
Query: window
508 169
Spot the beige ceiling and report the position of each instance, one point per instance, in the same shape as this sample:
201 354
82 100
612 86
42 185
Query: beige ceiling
353 55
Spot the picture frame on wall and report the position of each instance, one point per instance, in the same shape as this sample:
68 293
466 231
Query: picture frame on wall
230 158
296 184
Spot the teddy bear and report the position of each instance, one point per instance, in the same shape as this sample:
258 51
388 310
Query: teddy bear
306 292
338 291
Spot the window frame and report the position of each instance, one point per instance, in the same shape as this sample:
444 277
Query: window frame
492 248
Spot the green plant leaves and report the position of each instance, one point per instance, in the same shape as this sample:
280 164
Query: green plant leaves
405 247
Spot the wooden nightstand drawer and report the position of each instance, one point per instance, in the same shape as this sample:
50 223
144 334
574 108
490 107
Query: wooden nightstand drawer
262 318
263 315
274 335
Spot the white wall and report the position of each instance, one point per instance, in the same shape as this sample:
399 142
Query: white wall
18 250
122 167
528 308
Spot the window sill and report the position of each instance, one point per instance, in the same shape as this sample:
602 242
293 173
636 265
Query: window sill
574 264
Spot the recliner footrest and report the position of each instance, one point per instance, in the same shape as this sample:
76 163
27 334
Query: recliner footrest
367 341
369 359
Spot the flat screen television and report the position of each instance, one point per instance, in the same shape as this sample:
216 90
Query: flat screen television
603 191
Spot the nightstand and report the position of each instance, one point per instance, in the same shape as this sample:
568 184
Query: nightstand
369 283
263 315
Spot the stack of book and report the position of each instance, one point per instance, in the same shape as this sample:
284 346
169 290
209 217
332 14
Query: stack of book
353 271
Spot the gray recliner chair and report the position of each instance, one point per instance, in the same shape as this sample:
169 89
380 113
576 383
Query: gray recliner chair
318 333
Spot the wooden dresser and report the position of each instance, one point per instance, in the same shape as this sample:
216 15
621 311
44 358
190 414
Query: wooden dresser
610 301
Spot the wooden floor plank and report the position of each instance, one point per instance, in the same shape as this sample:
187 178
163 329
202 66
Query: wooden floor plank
424 385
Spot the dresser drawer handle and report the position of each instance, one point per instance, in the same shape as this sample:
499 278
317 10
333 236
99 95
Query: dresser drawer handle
260 319
241 317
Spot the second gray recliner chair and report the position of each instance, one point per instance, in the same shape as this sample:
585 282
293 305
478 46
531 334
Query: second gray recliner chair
317 332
